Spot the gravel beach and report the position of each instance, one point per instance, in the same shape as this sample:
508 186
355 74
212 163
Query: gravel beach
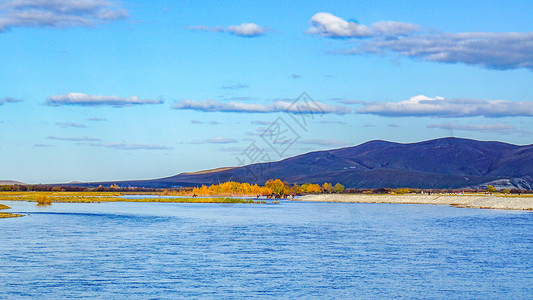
467 201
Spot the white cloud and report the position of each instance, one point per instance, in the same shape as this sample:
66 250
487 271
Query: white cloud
422 106
244 30
9 100
493 50
93 100
329 25
278 106
58 13
247 29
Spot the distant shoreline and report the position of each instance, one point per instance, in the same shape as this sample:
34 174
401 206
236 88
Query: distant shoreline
464 201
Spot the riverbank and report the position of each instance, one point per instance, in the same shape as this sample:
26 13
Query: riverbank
4 215
466 201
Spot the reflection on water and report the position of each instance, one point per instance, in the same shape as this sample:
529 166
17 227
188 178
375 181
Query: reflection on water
291 250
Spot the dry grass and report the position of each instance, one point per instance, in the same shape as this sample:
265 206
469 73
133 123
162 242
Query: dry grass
4 215
46 198
43 200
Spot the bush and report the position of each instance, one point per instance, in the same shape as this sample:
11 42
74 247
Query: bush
43 200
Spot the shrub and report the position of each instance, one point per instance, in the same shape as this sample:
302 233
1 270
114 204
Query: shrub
43 200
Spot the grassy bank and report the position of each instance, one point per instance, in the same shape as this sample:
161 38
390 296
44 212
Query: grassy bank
46 198
4 215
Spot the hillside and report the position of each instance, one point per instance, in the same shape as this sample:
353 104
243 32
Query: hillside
439 163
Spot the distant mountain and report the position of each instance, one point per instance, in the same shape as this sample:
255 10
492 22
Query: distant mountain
439 163
10 182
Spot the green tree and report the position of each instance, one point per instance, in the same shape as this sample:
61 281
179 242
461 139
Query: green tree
339 188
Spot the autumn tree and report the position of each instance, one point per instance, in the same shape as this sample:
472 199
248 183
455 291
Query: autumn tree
327 187
295 190
491 189
277 187
314 189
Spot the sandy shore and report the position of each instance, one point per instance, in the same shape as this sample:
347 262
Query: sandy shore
468 201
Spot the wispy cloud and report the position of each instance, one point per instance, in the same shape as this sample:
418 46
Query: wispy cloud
43 145
244 98
73 139
319 142
231 149
393 125
95 119
9 100
58 13
125 146
216 140
332 122
236 86
94 100
278 106
210 123
348 102
493 50
499 127
328 25
296 76
422 106
368 125
243 30
259 122
70 125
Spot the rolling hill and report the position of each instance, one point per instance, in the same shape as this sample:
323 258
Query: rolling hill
439 163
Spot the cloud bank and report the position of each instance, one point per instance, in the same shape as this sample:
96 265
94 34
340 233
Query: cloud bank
422 106
278 106
93 100
58 13
243 30
501 50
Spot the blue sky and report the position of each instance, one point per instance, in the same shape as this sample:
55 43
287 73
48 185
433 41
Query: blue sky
96 90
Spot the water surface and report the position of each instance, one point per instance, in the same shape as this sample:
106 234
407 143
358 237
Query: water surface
289 250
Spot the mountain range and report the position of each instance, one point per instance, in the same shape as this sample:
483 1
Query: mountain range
439 163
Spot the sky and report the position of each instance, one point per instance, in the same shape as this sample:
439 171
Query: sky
95 90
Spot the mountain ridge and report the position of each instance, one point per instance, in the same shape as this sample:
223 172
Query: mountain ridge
436 163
